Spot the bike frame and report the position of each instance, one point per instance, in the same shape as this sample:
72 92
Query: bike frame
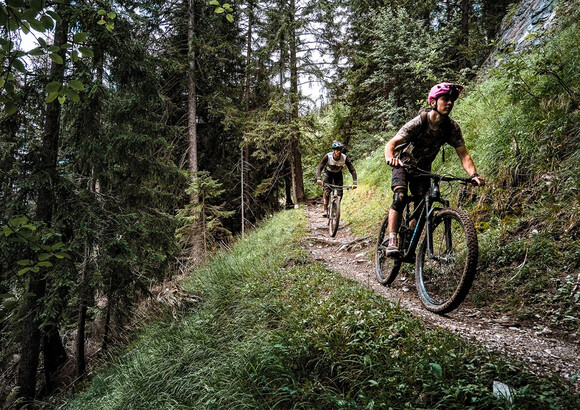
333 210
334 191
440 290
423 213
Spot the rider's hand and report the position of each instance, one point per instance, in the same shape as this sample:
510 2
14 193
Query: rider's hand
479 181
354 187
319 182
394 162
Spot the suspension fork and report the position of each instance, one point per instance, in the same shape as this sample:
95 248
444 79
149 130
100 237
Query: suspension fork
448 237
429 220
332 196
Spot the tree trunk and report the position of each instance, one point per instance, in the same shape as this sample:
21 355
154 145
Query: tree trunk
296 167
31 308
449 10
203 224
282 61
465 9
192 96
296 155
288 185
243 205
80 361
54 355
85 288
248 54
107 324
245 154
110 294
30 340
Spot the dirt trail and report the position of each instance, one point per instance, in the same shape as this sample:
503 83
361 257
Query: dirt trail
544 350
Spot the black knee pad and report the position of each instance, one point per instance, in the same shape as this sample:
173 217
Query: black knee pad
398 201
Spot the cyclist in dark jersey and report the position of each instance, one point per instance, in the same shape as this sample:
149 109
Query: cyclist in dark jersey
333 164
418 142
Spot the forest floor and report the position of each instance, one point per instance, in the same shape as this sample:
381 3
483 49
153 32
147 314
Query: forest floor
544 350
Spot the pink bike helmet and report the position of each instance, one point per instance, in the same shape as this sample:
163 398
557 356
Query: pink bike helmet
453 90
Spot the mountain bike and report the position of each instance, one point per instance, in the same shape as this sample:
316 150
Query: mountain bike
333 209
445 255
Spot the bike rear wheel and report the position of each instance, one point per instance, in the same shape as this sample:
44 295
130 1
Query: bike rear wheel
387 268
334 216
444 279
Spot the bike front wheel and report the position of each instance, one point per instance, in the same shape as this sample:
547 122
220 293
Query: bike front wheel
444 278
387 267
334 216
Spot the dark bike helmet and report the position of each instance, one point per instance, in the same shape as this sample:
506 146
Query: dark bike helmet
337 145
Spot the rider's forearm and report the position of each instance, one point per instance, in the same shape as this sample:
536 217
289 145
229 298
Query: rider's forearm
390 146
319 169
389 150
352 171
468 165
466 160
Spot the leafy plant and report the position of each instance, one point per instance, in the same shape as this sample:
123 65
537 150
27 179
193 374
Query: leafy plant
40 249
20 230
34 18
223 9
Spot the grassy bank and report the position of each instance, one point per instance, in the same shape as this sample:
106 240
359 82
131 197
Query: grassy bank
276 330
522 128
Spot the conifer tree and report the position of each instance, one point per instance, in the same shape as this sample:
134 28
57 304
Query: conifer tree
31 309
205 219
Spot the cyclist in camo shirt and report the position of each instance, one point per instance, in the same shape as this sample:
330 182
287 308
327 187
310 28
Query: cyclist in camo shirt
333 164
418 142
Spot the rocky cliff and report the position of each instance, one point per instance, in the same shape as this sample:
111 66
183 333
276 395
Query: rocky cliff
530 17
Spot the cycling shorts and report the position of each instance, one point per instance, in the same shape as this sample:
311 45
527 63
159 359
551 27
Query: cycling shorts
418 185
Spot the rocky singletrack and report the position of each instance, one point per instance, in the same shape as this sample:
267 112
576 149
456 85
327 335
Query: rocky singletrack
544 351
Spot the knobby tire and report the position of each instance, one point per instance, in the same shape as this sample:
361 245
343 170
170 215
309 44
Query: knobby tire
444 281
334 216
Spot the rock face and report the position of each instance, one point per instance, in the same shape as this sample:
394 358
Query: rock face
531 16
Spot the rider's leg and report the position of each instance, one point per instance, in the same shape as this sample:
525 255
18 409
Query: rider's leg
325 194
337 180
399 184
395 215
418 186
396 209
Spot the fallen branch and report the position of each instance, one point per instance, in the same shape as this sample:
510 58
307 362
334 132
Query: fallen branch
324 240
349 246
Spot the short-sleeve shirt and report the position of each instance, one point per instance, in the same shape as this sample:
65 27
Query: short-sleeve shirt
421 144
329 164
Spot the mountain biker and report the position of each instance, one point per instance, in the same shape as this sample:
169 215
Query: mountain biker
334 163
418 143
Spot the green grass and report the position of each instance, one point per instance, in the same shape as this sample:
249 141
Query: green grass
364 208
276 330
523 126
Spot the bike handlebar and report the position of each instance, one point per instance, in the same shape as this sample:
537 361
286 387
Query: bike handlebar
338 186
439 177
